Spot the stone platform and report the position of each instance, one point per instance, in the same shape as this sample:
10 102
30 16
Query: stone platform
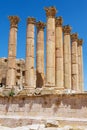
57 110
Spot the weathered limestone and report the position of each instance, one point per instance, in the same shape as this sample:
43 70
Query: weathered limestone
20 71
40 54
36 105
50 54
67 57
29 63
74 52
61 76
80 65
50 110
59 54
10 79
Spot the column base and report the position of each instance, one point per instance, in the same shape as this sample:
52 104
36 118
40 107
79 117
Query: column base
53 87
49 85
27 91
6 91
10 90
51 90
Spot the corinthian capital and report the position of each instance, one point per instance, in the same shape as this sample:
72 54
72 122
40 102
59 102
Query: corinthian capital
74 37
50 11
13 21
59 21
40 25
80 42
31 20
66 29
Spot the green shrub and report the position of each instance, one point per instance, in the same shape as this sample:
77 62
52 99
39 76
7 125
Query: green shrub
11 93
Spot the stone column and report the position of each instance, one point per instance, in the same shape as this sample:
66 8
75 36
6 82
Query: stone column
74 56
40 54
67 57
50 46
80 65
10 78
59 54
29 63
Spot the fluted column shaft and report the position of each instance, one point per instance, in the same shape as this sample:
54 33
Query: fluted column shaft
80 65
50 46
10 78
74 39
59 53
29 63
40 54
67 57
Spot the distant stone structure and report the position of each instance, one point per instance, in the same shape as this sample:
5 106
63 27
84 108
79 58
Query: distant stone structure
64 64
19 72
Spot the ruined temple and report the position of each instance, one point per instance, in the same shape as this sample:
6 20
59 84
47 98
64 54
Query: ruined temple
64 64
59 92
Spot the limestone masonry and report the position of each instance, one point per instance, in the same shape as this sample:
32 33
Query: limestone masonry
28 95
64 64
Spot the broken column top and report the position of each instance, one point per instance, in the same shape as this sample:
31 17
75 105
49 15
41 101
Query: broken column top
50 11
74 37
67 29
80 42
13 20
40 25
59 21
31 20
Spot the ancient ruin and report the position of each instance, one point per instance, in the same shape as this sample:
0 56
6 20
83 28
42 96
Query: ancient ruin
64 65
30 92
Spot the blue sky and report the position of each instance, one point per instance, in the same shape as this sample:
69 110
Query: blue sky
74 13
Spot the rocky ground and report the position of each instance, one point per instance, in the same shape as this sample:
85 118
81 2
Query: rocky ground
49 125
42 127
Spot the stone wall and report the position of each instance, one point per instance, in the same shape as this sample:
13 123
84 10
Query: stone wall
3 70
20 71
74 105
59 107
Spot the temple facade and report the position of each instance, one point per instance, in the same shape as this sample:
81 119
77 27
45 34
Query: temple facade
64 60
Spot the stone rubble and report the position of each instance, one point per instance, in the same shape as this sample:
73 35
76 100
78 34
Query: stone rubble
42 127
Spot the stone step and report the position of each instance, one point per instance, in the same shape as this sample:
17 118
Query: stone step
44 123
